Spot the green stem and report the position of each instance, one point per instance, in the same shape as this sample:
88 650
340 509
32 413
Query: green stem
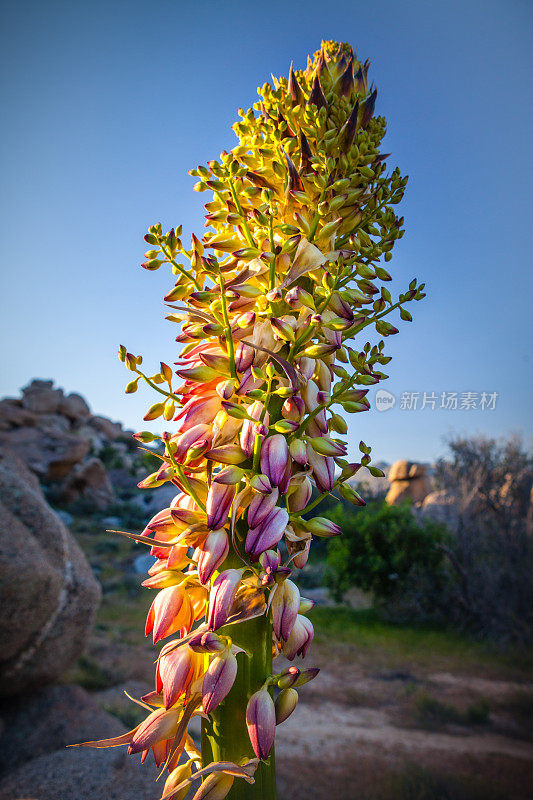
229 336
225 735
156 387
272 267
186 484
249 237
183 271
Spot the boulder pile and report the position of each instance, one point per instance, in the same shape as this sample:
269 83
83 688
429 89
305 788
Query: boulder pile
63 444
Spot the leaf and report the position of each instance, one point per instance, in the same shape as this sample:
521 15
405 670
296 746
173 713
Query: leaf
190 708
116 741
137 537
245 771
287 368
308 257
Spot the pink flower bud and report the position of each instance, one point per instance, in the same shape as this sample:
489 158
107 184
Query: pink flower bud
261 722
244 357
170 611
218 680
261 506
212 555
267 534
270 560
222 596
261 484
206 642
183 443
219 500
159 726
293 409
174 672
285 606
300 638
323 470
247 437
274 458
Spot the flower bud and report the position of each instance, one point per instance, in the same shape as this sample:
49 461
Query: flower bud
260 507
285 704
229 476
212 554
215 787
270 560
285 607
159 726
206 642
261 722
274 458
222 596
260 483
338 424
288 677
177 776
267 534
218 680
306 675
300 495
298 451
305 605
145 437
320 526
299 640
219 500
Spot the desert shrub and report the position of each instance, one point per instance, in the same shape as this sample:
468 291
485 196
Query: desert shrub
491 552
384 550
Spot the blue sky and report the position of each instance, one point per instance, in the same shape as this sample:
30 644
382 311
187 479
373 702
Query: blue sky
107 105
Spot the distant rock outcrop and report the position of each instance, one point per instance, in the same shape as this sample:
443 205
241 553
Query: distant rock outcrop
408 480
60 440
441 506
48 592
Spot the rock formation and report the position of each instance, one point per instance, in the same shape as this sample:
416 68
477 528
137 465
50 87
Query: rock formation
48 593
441 506
60 440
408 480
37 764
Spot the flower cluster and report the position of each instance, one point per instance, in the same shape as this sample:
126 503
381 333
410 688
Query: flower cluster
272 304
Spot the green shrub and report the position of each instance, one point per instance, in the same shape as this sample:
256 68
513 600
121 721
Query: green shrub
385 551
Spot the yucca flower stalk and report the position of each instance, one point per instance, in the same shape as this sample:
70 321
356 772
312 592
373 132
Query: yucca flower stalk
273 305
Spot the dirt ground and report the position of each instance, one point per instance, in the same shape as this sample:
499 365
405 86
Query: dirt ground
397 732
396 735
